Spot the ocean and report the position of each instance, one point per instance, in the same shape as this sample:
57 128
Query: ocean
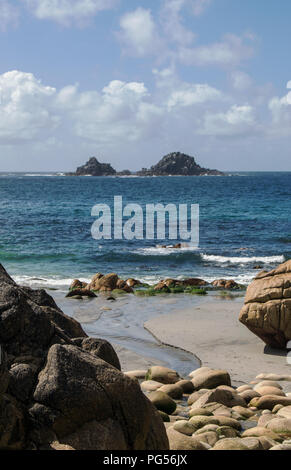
45 227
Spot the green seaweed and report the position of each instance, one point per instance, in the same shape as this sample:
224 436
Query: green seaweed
177 290
195 291
143 285
119 292
145 292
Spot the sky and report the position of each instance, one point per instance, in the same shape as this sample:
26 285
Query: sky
129 81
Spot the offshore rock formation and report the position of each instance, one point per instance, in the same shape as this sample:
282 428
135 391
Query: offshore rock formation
177 164
174 164
60 389
267 309
95 168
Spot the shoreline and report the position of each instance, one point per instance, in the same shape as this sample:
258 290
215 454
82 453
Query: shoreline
223 344
121 322
171 329
176 331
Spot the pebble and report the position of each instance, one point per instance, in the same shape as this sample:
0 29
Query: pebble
213 425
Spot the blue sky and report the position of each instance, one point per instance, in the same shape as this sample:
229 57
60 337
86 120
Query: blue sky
129 81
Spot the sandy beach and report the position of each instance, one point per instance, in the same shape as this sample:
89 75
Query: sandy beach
157 330
213 333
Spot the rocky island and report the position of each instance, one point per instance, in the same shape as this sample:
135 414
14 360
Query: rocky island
94 168
178 164
173 164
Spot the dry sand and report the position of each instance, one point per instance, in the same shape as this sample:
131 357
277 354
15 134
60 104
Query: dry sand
213 333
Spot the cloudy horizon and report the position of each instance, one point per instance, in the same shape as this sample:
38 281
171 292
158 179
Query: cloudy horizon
129 82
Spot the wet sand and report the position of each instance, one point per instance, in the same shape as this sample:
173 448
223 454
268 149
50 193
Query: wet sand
177 331
122 324
213 333
130 360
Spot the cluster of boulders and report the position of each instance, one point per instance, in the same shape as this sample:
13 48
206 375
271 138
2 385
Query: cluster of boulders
267 309
225 284
101 283
193 282
228 284
60 389
205 412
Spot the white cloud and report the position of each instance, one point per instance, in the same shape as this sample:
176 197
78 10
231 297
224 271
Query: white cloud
138 33
281 113
237 121
30 111
124 113
241 81
199 6
120 113
230 51
173 24
25 110
8 15
164 73
193 94
66 12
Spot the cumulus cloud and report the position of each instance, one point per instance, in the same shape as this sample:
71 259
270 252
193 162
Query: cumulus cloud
8 15
67 12
172 22
193 94
31 111
123 113
281 113
229 52
26 112
237 121
120 112
138 33
142 34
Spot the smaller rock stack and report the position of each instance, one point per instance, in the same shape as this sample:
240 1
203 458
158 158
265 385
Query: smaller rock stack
94 168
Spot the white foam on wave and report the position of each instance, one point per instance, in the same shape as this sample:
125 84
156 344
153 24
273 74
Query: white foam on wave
243 260
64 283
159 250
243 279
42 282
40 174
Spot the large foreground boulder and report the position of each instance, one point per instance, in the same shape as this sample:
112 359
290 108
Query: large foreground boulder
60 389
267 309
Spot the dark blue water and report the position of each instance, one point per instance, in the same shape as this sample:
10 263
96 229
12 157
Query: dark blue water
45 227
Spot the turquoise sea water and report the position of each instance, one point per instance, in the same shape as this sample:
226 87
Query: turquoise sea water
45 227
